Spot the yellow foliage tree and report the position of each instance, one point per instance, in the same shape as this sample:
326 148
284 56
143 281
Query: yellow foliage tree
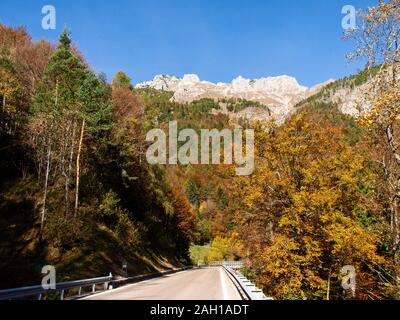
300 220
8 94
225 249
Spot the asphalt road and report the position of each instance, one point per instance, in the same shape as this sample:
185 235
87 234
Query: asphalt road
197 284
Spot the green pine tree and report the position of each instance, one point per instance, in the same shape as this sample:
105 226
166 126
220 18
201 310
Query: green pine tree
193 193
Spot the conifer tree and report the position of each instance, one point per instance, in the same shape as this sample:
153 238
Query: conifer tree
70 102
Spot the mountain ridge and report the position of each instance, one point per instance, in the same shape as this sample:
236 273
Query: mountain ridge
279 94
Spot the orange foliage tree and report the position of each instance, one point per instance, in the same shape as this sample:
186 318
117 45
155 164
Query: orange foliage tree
300 212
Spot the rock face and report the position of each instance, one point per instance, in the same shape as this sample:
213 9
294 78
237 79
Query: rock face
355 95
162 82
353 101
279 94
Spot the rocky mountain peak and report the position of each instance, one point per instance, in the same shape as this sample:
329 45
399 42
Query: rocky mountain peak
280 94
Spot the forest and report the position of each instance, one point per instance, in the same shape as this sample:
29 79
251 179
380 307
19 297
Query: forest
77 192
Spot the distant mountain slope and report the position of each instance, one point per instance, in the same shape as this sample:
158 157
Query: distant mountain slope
279 94
351 95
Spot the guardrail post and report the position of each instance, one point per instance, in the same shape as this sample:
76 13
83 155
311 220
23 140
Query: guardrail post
93 288
79 291
62 295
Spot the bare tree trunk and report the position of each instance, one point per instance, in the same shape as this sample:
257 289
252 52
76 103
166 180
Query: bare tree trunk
394 75
40 165
33 84
47 174
396 205
68 173
56 102
78 158
395 227
328 291
46 184
64 157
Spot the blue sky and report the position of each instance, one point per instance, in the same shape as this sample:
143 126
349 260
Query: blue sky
218 40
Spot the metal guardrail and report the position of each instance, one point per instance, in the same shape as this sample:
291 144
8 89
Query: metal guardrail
247 289
109 283
231 264
39 291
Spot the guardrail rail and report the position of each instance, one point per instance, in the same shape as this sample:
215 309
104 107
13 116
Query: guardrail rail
247 289
61 287
108 282
232 264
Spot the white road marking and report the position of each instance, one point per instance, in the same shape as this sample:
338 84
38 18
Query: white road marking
223 284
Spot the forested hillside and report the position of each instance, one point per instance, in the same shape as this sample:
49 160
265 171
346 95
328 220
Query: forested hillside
75 191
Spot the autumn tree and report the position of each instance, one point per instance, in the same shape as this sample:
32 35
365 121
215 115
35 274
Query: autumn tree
9 94
22 63
300 211
28 60
225 248
121 80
